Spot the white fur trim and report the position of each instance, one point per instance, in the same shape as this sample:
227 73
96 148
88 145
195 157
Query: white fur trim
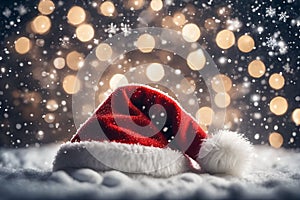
129 158
225 152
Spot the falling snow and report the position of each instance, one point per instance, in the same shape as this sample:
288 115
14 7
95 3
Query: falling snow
37 108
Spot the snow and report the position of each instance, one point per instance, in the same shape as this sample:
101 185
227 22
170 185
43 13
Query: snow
27 174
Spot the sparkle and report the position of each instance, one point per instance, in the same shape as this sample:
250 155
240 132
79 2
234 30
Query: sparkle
283 16
271 12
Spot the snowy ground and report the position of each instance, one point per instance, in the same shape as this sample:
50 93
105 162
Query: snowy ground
26 174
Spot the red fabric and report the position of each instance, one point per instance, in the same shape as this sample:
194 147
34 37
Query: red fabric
127 114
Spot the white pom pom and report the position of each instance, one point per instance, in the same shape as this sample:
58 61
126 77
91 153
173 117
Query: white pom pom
226 152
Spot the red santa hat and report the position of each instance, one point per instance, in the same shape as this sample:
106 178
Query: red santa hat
139 129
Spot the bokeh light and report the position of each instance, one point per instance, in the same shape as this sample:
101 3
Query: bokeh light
41 24
107 8
85 32
22 45
275 140
46 7
191 32
179 19
71 84
205 116
187 85
76 15
134 4
196 59
276 81
59 62
278 105
49 118
246 43
222 99
155 72
256 68
296 116
156 5
75 60
117 80
221 83
167 22
210 24
52 105
145 43
103 52
225 39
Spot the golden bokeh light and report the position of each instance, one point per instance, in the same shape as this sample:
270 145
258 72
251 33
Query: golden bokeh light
167 22
41 24
196 59
296 116
155 72
275 140
76 15
134 4
22 45
187 85
191 32
145 43
52 105
75 60
246 43
49 117
179 19
117 80
85 32
107 8
222 99
103 52
156 5
210 24
256 68
46 7
59 63
221 83
225 39
276 81
278 105
205 116
71 84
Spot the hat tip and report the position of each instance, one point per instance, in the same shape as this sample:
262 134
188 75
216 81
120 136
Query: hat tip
226 152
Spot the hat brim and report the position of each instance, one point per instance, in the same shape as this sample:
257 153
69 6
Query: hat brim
128 158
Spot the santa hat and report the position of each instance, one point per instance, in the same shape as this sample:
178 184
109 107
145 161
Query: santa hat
139 129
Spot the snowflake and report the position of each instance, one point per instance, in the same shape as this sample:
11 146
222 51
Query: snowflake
270 12
288 69
283 16
126 29
271 42
21 9
112 29
6 13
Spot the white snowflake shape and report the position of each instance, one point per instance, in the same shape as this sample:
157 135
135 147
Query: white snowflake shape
288 69
271 42
125 28
6 13
270 12
112 29
21 9
283 16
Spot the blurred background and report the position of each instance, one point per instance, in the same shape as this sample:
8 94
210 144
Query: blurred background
255 45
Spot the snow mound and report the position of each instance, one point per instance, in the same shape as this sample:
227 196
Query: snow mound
27 174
